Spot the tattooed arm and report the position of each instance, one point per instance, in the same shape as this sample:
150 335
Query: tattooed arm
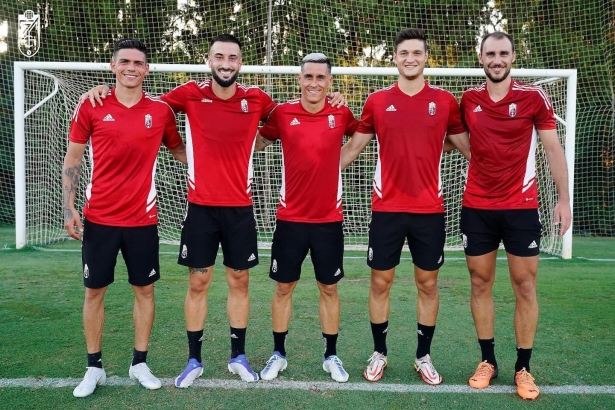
71 171
261 142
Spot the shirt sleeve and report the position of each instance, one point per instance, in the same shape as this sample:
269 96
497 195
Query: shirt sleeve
268 105
271 129
351 123
366 125
171 138
543 111
80 125
455 125
177 97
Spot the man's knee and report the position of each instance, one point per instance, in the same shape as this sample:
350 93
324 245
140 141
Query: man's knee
200 279
381 282
284 290
95 295
328 291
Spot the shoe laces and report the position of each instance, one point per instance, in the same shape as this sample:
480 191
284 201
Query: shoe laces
427 363
484 370
91 375
271 361
524 377
374 359
335 361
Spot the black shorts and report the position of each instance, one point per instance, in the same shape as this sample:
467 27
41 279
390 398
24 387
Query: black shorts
483 229
101 244
388 232
206 227
293 240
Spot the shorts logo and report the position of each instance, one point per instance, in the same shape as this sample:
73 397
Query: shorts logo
440 260
251 258
274 266
148 121
86 272
331 121
432 108
184 252
29 33
338 272
533 245
512 109
370 254
464 241
244 105
152 273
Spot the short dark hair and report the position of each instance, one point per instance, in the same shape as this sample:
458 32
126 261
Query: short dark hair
410 34
318 58
129 43
226 38
498 35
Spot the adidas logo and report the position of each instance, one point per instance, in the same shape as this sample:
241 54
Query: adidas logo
251 258
108 118
201 338
532 245
478 109
152 273
385 330
391 108
440 260
234 336
295 122
207 100
337 272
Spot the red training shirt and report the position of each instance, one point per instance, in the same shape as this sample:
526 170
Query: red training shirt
503 139
220 140
311 146
410 132
124 144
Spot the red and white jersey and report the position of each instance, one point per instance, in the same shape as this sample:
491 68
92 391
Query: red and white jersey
311 146
123 147
410 132
220 140
503 138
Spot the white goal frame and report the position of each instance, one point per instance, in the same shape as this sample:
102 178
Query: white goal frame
21 113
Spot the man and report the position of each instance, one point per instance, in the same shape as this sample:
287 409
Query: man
309 215
500 201
410 120
222 118
120 203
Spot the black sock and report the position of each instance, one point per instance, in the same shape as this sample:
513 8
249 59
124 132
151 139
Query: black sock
487 348
330 344
379 333
195 341
523 359
138 356
425 334
95 360
238 342
279 342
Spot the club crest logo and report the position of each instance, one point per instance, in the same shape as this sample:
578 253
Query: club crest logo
244 105
331 121
432 108
184 252
29 33
86 272
512 109
274 266
148 121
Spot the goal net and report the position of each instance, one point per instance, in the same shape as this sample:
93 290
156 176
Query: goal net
46 94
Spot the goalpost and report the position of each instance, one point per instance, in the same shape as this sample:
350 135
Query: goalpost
47 92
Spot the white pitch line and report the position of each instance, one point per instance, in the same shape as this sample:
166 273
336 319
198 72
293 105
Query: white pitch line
312 386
